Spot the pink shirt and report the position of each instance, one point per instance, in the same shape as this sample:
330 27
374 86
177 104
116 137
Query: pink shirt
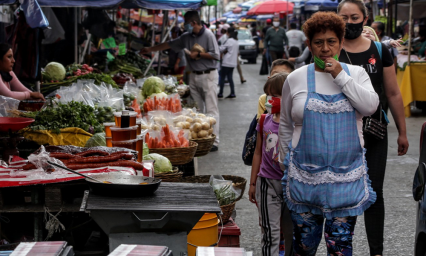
14 89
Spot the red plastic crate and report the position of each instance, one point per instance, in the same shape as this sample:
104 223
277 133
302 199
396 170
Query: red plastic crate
230 234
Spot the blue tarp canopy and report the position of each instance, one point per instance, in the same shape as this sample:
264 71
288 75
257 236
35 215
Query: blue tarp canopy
146 4
316 5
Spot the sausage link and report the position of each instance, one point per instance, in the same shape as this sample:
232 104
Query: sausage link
121 163
93 152
101 159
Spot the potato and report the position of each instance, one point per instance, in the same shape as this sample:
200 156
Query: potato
203 134
201 115
212 121
198 120
193 114
145 127
205 126
180 124
189 120
186 125
196 127
210 131
194 135
156 127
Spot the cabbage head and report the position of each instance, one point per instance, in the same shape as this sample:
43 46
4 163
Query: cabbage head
55 71
161 164
98 139
145 150
153 85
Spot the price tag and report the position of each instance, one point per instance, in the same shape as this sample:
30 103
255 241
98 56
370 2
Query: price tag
122 49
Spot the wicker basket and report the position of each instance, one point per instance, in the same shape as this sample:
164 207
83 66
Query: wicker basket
174 176
177 156
204 145
239 182
227 212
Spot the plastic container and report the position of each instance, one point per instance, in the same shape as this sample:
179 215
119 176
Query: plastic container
139 148
130 144
117 117
204 233
107 127
139 124
120 134
230 234
108 142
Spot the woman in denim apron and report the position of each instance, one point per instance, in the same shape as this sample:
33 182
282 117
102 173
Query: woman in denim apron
321 136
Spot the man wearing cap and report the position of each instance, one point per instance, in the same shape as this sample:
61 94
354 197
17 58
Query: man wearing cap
203 79
274 40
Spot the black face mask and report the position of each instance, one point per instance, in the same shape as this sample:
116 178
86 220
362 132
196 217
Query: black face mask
353 30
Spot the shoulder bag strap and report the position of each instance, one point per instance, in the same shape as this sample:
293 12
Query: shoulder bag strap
262 120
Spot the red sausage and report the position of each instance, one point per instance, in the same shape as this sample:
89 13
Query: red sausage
62 155
93 152
101 159
121 163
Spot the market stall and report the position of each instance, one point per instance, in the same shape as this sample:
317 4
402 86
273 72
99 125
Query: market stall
411 84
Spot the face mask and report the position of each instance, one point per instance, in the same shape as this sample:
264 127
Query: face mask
189 28
276 23
273 104
353 30
320 63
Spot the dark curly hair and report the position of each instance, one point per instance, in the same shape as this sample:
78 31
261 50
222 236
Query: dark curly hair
323 21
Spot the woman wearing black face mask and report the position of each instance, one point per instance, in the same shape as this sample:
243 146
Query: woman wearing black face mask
358 50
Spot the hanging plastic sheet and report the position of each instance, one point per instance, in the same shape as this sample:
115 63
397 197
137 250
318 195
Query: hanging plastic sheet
33 14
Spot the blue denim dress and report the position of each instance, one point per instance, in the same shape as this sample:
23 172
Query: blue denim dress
326 172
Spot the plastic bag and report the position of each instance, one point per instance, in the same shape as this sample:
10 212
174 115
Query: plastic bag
168 137
224 190
40 161
7 104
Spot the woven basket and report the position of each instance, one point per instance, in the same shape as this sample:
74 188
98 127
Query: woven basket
239 182
177 156
204 145
227 212
174 176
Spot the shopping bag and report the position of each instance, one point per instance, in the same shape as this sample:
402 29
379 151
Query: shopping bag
33 14
264 68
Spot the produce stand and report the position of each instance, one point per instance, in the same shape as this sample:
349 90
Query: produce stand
164 218
411 84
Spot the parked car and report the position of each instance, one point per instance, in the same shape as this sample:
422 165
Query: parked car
419 195
247 46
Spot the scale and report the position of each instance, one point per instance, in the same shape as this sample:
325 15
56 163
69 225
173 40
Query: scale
9 134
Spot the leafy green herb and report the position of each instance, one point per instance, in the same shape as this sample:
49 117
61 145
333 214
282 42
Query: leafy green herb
225 195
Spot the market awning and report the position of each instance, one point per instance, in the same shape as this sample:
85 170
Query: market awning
271 7
321 5
147 4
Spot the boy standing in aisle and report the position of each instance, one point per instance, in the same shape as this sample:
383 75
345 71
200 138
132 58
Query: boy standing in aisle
203 79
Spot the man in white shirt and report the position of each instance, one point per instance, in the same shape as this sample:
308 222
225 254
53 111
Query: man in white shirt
295 37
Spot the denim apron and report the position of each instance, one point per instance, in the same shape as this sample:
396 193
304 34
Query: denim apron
326 172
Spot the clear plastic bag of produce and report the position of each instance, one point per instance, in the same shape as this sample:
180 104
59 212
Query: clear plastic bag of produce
160 118
201 127
167 137
40 161
7 104
170 82
224 190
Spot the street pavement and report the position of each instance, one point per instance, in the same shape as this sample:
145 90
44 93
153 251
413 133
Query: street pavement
235 118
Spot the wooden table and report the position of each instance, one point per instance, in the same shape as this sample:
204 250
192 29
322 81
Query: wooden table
164 218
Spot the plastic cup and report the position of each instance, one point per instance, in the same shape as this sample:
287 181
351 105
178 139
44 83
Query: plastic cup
139 148
107 127
130 144
139 124
120 134
108 141
117 118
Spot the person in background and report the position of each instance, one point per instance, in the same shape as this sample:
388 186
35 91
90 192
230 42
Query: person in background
325 182
295 37
303 59
420 48
229 61
223 37
203 79
294 52
379 29
265 182
265 46
278 66
10 86
177 60
254 35
360 51
275 39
